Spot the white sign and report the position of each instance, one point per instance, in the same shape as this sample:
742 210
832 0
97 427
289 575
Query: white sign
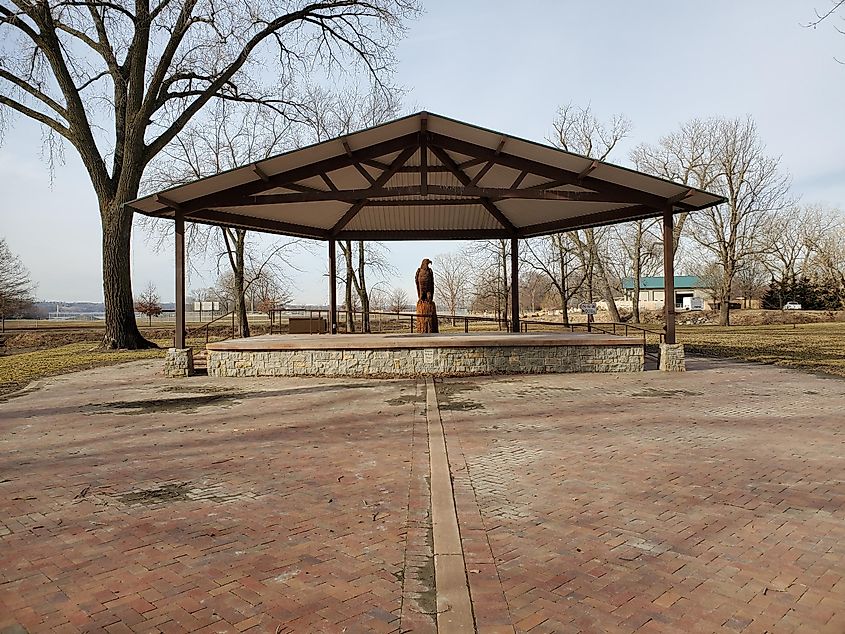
588 309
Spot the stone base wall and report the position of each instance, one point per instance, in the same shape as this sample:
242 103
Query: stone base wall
179 362
672 357
409 362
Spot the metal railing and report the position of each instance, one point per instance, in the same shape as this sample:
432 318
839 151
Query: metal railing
206 325
618 328
380 324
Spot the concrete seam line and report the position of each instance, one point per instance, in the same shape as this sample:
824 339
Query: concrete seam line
454 607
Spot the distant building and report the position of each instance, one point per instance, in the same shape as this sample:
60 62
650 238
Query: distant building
652 294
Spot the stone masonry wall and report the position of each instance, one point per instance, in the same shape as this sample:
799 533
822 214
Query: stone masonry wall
408 362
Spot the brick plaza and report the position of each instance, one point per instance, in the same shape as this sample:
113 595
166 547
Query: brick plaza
699 502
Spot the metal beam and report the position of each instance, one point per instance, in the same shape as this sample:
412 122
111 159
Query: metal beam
514 284
385 176
239 192
357 164
332 287
222 218
613 216
425 234
565 177
492 193
464 180
260 173
172 204
669 274
423 202
423 156
179 329
328 181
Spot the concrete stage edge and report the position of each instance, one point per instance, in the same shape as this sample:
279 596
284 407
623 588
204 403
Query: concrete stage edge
411 355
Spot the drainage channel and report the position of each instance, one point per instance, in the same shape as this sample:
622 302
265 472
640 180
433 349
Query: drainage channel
454 607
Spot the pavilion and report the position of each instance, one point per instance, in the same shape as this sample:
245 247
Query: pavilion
424 176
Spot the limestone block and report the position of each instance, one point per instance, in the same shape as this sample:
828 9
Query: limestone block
179 362
672 357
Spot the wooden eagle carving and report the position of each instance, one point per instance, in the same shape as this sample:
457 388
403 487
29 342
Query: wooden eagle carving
425 281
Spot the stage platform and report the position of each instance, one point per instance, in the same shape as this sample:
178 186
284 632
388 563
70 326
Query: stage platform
410 355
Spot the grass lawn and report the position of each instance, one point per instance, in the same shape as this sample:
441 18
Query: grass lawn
813 347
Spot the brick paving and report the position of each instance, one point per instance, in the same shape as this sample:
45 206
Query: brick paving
257 505
705 502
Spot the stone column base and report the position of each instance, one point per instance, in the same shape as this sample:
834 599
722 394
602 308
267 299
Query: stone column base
672 357
179 362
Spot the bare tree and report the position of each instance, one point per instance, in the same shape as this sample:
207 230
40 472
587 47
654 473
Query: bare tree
683 156
16 287
755 188
148 303
533 286
577 129
491 260
827 262
233 135
327 115
398 300
453 280
640 247
792 236
826 15
120 81
554 256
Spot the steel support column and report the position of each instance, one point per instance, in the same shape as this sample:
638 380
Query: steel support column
333 287
514 284
669 273
179 334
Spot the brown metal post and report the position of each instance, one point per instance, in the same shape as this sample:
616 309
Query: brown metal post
179 334
515 284
669 273
332 287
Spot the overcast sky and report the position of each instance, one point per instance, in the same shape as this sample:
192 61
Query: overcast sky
508 66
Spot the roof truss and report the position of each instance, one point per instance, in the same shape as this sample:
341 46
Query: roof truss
439 154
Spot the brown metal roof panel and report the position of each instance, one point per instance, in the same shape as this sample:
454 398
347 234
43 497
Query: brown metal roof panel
414 218
322 215
523 213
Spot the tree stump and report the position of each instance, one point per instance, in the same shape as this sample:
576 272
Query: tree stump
426 316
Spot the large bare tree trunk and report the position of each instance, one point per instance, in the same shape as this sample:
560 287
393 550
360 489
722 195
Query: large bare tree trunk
564 300
121 327
601 273
346 247
240 268
638 271
363 295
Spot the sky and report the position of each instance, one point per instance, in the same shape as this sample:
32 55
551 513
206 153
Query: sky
508 66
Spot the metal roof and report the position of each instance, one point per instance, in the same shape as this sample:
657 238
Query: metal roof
424 176
656 283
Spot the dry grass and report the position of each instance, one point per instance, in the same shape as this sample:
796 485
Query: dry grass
816 347
18 370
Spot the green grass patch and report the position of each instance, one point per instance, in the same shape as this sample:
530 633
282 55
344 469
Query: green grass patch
816 347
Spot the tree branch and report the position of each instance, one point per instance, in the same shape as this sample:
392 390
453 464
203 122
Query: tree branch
37 116
33 91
